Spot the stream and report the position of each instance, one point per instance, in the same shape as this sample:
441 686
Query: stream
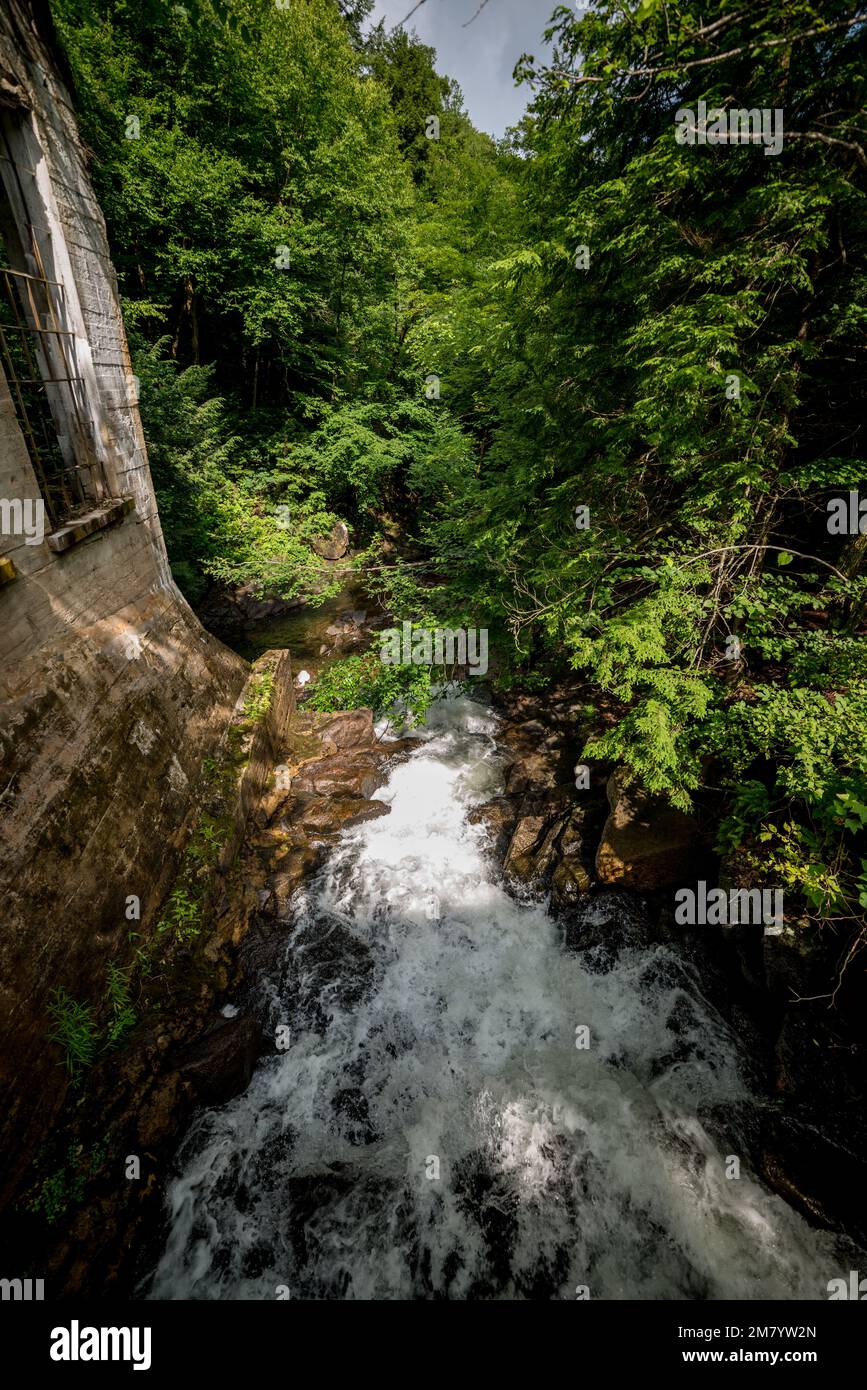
433 1128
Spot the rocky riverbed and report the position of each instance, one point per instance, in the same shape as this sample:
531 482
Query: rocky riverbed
600 860
412 978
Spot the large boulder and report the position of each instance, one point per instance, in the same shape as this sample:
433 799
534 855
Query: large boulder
335 545
328 815
353 774
348 729
646 843
535 772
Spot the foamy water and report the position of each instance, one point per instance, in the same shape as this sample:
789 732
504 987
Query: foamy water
432 1130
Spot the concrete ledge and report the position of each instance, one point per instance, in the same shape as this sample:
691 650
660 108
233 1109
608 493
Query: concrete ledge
257 735
233 782
65 537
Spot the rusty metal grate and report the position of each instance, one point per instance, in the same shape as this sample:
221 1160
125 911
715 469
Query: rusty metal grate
37 348
27 317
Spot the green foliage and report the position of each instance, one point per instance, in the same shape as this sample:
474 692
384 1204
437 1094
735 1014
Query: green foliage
606 387
808 815
257 701
373 458
260 142
359 682
64 1186
123 1016
210 835
750 805
257 130
405 68
74 1028
182 915
219 491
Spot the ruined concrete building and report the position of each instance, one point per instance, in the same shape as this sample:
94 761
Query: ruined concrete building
113 693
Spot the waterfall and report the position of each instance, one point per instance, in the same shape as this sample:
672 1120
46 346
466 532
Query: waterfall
434 1127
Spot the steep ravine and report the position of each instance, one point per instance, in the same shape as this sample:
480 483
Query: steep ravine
427 1123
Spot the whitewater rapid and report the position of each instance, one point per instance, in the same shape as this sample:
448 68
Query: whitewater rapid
431 1129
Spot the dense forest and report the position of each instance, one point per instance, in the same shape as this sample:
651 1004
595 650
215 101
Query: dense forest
594 387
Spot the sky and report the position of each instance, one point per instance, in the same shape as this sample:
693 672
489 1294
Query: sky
482 56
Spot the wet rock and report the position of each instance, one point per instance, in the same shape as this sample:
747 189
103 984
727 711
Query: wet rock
559 801
796 962
568 883
159 1112
524 735
347 775
573 839
573 876
231 610
537 771
272 845
293 870
329 815
335 545
820 1053
527 837
519 706
817 1164
532 852
219 1065
328 969
646 844
499 818
349 729
260 955
271 803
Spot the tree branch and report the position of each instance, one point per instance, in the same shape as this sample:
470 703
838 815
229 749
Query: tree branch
476 15
415 7
674 66
856 149
785 549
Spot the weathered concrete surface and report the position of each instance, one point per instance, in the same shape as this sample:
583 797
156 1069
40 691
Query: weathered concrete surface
114 696
101 751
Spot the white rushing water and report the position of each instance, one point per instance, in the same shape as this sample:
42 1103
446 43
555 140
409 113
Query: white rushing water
432 1130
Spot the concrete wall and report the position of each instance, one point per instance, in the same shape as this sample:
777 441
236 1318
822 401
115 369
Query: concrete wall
113 694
